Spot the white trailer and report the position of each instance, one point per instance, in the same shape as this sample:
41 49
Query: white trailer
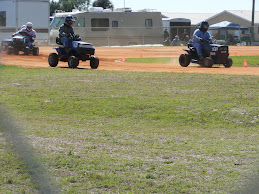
109 28
15 13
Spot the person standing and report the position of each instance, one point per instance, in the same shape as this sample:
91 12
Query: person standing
166 35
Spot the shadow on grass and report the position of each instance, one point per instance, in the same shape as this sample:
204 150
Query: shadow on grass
24 149
75 68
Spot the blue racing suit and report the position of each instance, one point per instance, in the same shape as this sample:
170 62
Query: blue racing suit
198 36
65 31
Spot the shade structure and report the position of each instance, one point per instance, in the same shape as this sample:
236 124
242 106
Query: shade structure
226 25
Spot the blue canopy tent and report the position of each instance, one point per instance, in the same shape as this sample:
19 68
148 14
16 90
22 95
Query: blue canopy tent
226 26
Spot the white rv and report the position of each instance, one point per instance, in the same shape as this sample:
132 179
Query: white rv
107 28
15 13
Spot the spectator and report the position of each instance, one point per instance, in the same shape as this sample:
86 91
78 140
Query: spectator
166 35
176 41
185 33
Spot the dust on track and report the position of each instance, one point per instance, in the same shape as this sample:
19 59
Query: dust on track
110 58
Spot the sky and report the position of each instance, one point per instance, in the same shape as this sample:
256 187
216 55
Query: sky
188 6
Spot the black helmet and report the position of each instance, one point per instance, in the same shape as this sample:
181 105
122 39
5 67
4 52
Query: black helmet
204 26
69 20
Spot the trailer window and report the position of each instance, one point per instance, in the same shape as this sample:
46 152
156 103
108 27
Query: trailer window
57 22
100 24
2 18
246 32
81 22
148 23
115 24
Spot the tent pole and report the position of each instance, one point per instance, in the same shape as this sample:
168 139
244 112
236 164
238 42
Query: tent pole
253 21
240 37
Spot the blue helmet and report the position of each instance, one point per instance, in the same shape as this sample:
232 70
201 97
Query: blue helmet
204 26
69 20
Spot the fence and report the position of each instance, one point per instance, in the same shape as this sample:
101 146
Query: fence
226 36
119 36
124 36
42 34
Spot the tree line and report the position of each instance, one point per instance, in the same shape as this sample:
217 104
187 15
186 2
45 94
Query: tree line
69 5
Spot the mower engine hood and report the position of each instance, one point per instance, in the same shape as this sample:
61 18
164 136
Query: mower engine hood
80 44
18 37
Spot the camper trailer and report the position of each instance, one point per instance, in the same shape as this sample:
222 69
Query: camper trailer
118 28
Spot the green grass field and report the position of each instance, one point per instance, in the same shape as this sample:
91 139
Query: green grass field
238 61
117 132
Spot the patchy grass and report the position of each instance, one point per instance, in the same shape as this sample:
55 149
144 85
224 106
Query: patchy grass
251 60
101 131
161 60
237 60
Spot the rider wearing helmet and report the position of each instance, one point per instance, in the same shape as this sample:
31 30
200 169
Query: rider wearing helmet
28 32
201 38
66 30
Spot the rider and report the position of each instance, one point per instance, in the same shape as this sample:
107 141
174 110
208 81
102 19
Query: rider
201 37
65 31
29 33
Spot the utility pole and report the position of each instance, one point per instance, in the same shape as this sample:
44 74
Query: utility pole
124 4
16 14
253 21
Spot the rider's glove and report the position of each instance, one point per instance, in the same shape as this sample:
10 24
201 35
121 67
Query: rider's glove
202 40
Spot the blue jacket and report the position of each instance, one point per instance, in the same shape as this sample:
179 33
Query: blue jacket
198 35
65 30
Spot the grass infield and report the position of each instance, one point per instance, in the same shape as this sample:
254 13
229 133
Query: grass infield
104 131
238 61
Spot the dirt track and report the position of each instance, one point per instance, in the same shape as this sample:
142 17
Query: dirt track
110 58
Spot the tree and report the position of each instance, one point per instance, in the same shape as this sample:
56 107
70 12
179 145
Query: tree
68 5
103 3
54 6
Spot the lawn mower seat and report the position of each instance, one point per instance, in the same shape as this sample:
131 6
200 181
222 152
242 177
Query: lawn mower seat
58 41
190 46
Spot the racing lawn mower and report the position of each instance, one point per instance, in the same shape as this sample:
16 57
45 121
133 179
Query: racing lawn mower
6 43
219 54
18 43
78 50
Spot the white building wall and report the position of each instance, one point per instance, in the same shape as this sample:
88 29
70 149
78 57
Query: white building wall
9 7
35 11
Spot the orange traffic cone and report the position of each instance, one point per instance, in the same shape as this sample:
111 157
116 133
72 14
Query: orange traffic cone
245 63
235 53
174 61
123 59
140 56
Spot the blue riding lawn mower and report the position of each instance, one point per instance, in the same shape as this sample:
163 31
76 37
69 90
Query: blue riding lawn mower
219 54
77 51
19 43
